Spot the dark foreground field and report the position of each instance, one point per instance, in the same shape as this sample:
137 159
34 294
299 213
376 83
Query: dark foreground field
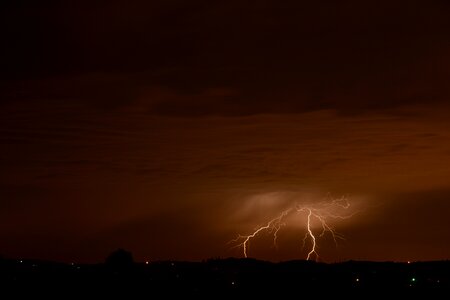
220 277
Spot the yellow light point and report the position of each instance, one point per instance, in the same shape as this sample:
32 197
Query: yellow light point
320 211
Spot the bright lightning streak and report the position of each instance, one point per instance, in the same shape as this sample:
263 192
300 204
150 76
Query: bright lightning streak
311 235
319 212
274 225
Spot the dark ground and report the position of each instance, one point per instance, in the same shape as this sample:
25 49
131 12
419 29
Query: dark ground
221 278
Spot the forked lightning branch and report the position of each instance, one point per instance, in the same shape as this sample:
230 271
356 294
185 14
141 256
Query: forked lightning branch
320 213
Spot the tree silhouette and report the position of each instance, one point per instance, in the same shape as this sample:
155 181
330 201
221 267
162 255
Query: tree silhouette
120 259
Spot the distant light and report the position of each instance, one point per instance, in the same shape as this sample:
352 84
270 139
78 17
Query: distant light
413 279
232 283
72 264
357 279
409 262
147 262
21 261
172 264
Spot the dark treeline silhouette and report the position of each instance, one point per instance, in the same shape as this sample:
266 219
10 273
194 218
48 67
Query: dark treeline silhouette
120 260
218 277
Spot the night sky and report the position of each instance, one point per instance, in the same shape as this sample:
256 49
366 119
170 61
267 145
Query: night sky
169 127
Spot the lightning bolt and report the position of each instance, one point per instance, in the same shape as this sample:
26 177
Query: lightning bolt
320 212
311 235
273 225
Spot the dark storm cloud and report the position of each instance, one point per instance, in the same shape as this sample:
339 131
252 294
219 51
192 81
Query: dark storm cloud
151 123
16 197
152 183
268 56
